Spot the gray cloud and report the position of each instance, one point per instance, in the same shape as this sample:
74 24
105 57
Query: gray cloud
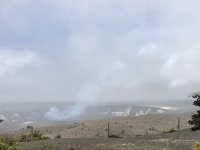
102 50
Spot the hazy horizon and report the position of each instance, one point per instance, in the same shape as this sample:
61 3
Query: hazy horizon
91 52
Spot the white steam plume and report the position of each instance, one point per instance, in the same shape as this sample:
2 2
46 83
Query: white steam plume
86 97
57 115
89 94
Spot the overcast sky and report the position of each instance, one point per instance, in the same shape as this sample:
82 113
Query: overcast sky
99 50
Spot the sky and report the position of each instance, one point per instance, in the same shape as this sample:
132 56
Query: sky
99 50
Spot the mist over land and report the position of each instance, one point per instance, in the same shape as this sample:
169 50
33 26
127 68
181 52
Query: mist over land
19 115
71 66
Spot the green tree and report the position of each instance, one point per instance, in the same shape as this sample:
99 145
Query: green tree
195 119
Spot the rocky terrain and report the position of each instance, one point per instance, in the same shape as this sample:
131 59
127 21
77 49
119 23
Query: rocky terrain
182 140
155 131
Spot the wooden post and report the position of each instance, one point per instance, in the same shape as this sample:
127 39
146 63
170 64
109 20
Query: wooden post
30 127
32 131
108 129
178 126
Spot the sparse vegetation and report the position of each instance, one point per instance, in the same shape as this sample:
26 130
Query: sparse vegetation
196 146
4 146
32 137
141 135
8 143
152 129
44 147
195 120
58 136
114 136
170 131
25 138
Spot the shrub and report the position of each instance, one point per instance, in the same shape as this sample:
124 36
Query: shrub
114 136
37 134
170 131
8 143
196 146
152 129
9 140
44 147
195 121
58 136
4 146
32 137
25 138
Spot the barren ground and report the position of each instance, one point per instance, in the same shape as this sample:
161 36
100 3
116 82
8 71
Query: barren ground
143 132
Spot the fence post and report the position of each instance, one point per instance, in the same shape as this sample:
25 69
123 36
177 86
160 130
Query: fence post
178 126
108 129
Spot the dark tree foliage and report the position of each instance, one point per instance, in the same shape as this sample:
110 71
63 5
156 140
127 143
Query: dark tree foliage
195 120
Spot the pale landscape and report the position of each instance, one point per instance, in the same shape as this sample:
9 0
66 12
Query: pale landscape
148 128
99 75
